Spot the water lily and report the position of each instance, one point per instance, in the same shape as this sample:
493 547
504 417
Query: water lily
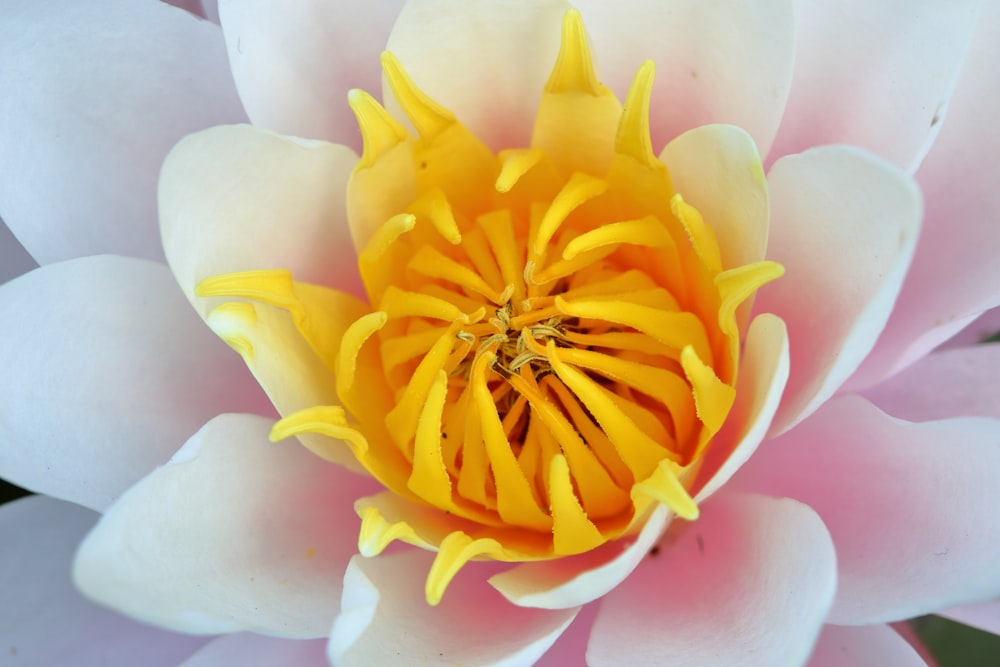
614 344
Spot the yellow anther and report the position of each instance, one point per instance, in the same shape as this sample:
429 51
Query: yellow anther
380 132
579 189
701 235
350 346
429 117
633 137
514 164
387 234
330 420
271 286
574 68
713 398
433 205
648 232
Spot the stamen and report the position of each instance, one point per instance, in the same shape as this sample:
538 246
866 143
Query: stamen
574 68
429 478
579 189
350 346
429 117
633 138
380 132
648 232
433 205
514 164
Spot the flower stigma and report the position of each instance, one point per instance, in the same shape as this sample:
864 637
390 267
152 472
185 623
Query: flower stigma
552 336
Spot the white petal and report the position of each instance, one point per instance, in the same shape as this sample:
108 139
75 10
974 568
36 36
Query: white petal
866 646
844 225
489 63
235 533
385 616
955 273
295 61
721 62
577 580
748 583
44 621
718 171
911 507
106 373
983 327
94 95
237 198
248 650
875 74
960 382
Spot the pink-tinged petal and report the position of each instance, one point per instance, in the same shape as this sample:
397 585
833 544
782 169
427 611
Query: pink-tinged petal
44 621
875 74
866 646
571 647
982 328
844 224
722 62
985 616
14 259
94 95
237 198
748 583
718 171
960 382
577 580
911 507
106 373
385 616
248 650
956 269
295 61
235 533
489 62
759 385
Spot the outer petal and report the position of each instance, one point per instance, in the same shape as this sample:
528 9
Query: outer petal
236 533
247 650
961 382
749 583
571 647
867 646
985 616
958 178
844 225
14 259
875 74
718 171
982 328
911 507
94 96
489 63
295 61
238 198
106 373
722 62
43 620
385 615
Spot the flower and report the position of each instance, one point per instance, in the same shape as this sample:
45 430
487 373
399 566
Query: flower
835 518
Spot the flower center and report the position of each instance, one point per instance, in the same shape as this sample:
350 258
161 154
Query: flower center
554 337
